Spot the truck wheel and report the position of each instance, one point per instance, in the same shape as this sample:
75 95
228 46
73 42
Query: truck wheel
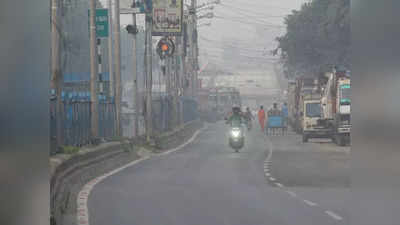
305 138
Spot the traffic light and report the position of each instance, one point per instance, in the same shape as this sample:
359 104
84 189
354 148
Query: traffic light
165 47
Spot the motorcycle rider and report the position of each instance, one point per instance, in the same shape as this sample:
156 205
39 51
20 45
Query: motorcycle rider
236 118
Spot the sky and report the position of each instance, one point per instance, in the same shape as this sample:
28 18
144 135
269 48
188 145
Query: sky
248 28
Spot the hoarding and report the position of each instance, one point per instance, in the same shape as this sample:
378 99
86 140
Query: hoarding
167 17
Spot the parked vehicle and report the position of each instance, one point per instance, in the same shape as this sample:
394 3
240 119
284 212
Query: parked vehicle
336 106
312 126
298 91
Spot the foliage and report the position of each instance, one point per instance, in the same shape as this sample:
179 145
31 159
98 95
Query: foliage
69 150
318 35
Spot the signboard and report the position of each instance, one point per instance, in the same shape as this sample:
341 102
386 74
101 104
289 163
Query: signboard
101 22
130 10
167 17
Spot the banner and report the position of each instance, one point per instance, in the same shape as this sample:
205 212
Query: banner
167 17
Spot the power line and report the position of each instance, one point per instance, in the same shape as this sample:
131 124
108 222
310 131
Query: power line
252 13
259 5
248 18
249 23
233 45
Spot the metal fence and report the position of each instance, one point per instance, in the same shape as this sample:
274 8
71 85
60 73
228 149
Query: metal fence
163 112
190 109
76 118
76 121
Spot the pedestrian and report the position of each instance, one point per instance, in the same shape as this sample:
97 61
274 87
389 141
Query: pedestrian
285 114
261 117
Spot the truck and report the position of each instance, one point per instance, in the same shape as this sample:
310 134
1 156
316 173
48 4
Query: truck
312 126
303 88
336 105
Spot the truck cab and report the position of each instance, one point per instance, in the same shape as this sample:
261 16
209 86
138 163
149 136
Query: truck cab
311 119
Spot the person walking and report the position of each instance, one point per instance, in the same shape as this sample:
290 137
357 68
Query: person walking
285 114
261 117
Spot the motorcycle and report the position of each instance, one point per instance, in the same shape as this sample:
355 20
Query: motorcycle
236 138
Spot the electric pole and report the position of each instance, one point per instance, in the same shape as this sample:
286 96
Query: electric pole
118 88
176 88
180 74
135 85
110 49
194 51
56 76
93 73
149 80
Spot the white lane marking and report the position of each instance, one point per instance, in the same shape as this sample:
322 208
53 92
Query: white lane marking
268 159
333 215
272 179
279 185
184 144
267 174
310 203
291 193
82 213
83 196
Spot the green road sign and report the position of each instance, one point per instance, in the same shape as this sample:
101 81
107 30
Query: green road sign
101 22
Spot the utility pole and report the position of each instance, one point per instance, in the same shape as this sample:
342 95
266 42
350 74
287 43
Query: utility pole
167 76
149 80
135 85
191 30
176 88
110 49
194 51
56 76
118 89
93 74
180 74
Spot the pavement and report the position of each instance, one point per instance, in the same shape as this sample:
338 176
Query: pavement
273 181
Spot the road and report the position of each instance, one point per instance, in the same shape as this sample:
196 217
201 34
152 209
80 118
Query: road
207 183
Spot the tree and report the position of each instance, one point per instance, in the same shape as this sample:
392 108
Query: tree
317 35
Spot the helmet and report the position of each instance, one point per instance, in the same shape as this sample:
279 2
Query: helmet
236 108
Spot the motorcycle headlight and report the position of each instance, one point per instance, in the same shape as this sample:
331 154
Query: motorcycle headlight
235 133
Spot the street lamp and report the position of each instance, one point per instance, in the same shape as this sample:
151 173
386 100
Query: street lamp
208 15
204 24
211 7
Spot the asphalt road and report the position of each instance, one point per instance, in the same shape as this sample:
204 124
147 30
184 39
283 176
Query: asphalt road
207 183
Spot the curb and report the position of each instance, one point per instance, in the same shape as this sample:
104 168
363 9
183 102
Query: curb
83 196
